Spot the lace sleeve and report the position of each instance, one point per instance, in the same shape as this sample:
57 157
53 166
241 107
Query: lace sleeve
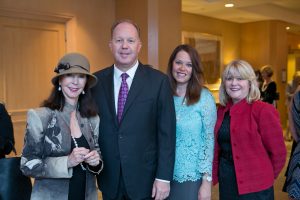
208 117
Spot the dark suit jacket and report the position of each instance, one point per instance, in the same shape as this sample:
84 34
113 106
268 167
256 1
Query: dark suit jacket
142 146
6 132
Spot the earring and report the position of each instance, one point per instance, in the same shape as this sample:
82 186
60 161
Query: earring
83 92
59 88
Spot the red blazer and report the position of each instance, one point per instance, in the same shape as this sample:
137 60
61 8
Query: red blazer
257 143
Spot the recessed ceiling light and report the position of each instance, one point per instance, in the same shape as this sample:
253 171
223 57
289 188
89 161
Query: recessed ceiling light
287 28
229 5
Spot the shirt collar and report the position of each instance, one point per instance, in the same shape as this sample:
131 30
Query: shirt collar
130 72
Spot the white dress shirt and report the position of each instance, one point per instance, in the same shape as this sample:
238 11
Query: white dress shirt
118 80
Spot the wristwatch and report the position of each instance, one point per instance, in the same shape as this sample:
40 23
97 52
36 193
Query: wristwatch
207 177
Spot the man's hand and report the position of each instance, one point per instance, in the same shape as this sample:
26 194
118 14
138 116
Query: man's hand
160 190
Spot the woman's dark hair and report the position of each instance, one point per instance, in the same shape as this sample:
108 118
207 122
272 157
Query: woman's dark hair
87 106
196 82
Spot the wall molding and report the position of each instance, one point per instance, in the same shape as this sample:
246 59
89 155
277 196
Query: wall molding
30 14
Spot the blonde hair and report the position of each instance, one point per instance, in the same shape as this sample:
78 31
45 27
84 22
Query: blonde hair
268 70
247 73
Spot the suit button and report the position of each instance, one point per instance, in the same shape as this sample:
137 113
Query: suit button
120 137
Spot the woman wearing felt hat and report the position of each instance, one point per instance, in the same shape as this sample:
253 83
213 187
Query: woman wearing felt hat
61 141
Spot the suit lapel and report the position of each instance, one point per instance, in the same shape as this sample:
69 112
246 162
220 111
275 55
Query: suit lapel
109 92
136 86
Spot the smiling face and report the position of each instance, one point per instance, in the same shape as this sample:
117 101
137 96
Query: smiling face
125 45
182 68
72 86
236 86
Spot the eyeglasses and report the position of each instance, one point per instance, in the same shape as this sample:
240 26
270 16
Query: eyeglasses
66 66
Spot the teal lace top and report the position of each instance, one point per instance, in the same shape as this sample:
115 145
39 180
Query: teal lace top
194 137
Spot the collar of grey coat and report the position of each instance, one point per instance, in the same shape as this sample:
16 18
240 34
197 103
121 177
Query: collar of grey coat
84 124
66 113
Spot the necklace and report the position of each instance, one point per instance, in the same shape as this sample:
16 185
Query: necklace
76 145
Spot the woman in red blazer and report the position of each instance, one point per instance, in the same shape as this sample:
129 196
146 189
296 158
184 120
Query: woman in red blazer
249 147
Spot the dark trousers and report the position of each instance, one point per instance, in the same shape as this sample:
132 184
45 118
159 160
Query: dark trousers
122 193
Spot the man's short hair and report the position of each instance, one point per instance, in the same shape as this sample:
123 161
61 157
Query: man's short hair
116 23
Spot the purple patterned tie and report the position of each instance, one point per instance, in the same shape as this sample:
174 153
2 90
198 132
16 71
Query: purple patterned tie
122 96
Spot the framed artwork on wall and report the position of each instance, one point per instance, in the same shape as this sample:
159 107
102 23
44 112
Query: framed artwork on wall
209 48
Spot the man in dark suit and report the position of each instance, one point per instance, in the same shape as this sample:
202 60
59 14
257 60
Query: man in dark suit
138 141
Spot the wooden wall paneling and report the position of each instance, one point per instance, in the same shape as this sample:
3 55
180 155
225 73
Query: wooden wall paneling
29 52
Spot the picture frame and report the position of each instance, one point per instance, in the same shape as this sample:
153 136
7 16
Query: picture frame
209 48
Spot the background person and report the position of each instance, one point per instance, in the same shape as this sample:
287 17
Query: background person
291 89
195 121
249 146
60 148
293 170
137 122
7 140
269 89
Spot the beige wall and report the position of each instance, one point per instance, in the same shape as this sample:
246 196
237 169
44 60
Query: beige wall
136 11
88 30
229 31
293 41
168 29
255 43
265 43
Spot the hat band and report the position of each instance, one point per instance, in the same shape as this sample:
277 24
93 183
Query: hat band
66 66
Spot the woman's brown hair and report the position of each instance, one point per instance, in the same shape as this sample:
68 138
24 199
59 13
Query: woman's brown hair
196 81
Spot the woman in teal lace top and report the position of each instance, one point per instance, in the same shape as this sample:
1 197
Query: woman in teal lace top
196 116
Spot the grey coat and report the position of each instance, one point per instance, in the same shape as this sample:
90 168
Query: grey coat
46 148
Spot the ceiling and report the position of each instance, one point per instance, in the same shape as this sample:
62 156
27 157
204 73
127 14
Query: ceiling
247 10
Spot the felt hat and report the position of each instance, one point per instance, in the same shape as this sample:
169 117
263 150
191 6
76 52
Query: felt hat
74 63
